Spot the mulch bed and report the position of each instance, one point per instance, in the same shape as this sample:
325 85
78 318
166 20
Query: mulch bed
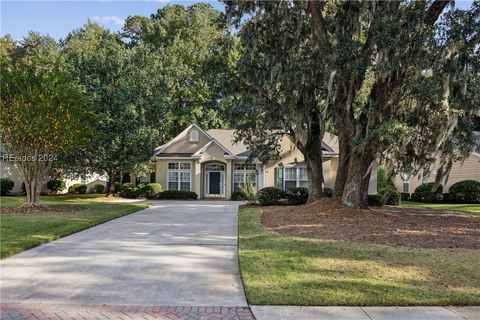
39 209
388 225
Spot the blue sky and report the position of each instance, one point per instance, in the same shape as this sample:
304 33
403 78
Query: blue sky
58 18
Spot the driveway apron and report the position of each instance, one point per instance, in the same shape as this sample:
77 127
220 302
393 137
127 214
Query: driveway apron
175 253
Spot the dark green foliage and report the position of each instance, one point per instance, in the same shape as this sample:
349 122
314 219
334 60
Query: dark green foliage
6 185
78 188
404 196
297 196
99 188
269 196
177 195
238 195
376 200
152 190
327 192
425 193
130 191
390 195
466 191
55 185
23 191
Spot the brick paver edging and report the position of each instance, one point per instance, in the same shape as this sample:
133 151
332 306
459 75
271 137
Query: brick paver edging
47 311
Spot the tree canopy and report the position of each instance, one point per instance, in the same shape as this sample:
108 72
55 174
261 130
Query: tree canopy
41 112
390 72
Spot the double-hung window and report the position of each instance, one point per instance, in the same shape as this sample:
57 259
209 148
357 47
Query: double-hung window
292 177
243 173
179 176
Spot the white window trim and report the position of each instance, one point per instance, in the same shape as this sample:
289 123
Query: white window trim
189 171
297 176
193 139
245 173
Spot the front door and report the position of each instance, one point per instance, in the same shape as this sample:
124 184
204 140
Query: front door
214 183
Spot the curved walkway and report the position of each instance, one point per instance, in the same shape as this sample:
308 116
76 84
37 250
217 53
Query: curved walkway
175 253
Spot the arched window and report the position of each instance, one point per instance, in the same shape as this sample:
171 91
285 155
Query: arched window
194 135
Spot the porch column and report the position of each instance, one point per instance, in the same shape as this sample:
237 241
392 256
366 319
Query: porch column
228 180
197 180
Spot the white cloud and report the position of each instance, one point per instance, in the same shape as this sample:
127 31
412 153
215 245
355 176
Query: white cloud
109 19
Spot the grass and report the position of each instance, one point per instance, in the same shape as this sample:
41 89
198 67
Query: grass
283 270
474 208
20 232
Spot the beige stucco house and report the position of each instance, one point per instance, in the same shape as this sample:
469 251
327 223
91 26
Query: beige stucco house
469 169
213 165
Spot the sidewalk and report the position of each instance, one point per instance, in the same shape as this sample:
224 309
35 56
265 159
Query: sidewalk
365 313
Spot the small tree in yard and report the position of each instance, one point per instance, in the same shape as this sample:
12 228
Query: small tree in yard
40 115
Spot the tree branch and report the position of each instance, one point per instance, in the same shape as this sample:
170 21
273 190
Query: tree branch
435 10
318 23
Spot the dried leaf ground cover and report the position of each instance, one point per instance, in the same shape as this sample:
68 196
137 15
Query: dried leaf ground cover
24 230
284 269
390 225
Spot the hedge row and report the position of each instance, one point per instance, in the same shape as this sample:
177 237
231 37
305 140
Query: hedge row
466 191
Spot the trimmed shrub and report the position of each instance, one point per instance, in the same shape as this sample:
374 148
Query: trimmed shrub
151 190
238 195
128 190
177 195
56 185
80 188
77 188
390 196
269 196
375 200
405 196
327 192
6 185
424 193
99 188
466 191
297 196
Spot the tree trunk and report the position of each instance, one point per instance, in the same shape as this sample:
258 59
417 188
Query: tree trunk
111 184
358 177
343 162
33 189
312 152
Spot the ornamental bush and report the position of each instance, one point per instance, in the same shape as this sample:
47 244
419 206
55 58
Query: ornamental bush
375 200
297 196
6 185
405 196
424 193
327 192
55 185
269 196
130 191
152 190
99 188
466 191
78 188
390 196
238 195
177 195
249 190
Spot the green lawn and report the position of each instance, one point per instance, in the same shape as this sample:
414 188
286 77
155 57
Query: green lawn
283 270
475 208
23 231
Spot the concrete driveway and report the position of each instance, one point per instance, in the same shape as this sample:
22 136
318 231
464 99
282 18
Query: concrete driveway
174 253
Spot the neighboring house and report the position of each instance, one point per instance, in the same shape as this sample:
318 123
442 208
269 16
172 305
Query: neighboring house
8 170
213 165
466 170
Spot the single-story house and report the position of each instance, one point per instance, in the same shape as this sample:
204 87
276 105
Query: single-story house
8 170
469 169
213 164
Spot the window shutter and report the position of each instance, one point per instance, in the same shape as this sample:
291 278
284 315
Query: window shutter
279 177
